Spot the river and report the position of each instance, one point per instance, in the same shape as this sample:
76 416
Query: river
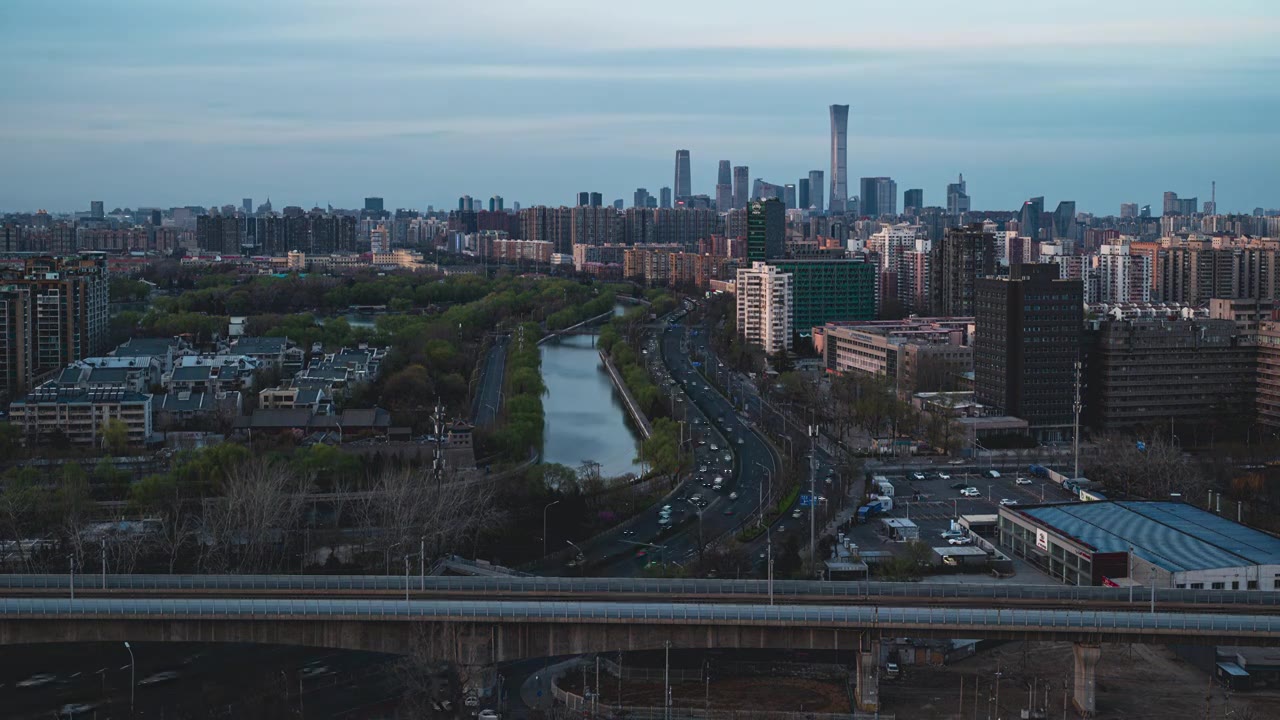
584 416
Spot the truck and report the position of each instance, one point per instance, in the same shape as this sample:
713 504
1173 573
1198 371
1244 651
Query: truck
1038 471
868 511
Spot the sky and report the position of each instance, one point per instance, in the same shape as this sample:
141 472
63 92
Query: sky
315 102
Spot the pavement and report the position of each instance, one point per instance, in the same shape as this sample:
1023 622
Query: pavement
488 397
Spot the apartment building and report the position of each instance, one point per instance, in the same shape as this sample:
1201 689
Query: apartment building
765 307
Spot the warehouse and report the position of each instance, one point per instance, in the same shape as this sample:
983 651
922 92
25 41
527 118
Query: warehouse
1161 543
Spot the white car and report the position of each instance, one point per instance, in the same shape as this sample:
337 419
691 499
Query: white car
796 513
917 476
1006 502
1022 481
948 534
959 541
993 474
944 476
970 492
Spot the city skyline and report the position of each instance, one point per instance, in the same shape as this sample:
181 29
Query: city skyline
251 101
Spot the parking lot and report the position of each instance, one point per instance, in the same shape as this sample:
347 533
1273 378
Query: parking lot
933 498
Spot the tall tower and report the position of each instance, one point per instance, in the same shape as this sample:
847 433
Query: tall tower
741 185
815 189
839 158
726 174
683 187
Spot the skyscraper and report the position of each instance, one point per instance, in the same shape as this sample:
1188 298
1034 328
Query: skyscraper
246 205
1029 220
766 229
879 196
912 199
1128 210
839 153
495 203
683 185
373 204
641 198
724 197
665 195
789 196
815 190
1064 220
597 199
584 199
95 210
802 194
725 176
741 185
957 197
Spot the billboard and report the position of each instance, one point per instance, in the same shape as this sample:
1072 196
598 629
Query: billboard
1042 539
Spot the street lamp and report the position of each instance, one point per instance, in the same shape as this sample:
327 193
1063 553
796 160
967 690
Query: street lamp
72 560
132 676
698 510
760 489
544 525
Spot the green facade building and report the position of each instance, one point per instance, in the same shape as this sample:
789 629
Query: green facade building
826 291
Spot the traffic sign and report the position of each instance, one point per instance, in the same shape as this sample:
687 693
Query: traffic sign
806 499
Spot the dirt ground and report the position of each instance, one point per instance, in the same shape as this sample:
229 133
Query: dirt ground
1135 682
739 693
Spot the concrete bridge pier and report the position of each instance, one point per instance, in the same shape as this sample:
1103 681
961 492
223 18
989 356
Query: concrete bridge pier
867 683
1084 698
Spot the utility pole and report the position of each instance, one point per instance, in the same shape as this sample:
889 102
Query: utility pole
666 682
813 493
1075 435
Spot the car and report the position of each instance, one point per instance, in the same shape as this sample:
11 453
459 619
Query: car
728 511
664 521
739 441
487 714
959 541
733 496
955 462
970 492
702 442
628 533
714 448
74 709
1006 502
706 483
944 476
827 480
728 458
918 476
948 534
796 513
702 469
993 474
1022 481
782 528
959 486
159 677
950 560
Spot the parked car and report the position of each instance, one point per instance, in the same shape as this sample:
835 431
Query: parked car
959 486
1006 502
960 541
970 492
948 534
944 476
1022 481
917 476
993 474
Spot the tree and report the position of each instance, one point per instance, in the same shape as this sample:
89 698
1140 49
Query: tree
261 504
115 436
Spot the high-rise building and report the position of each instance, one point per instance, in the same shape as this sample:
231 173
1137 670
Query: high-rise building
724 197
724 176
789 196
824 291
741 185
766 230
764 307
495 204
683 184
584 199
1064 220
1026 344
618 204
379 239
879 197
52 312
815 190
1030 216
597 200
1128 210
962 256
95 210
665 195
246 206
802 193
957 197
839 157
912 199
374 205
641 198
593 225
1121 276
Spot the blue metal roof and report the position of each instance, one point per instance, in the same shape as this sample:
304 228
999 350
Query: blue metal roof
1175 536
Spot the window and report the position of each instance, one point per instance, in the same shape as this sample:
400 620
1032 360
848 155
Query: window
1218 586
1253 584
1235 584
1200 586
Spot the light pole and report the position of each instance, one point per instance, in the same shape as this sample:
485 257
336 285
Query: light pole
760 489
544 525
698 510
813 493
132 676
72 560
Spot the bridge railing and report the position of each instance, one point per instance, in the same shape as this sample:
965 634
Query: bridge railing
674 588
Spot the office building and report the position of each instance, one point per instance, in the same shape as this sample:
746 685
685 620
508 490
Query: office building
724 174
802 194
962 256
584 199
246 206
1173 205
495 204
766 230
825 291
53 312
683 183
1128 210
1064 221
1026 345
1029 218
664 195
95 210
597 199
1151 371
912 200
815 190
640 198
764 297
916 354
957 197
1152 544
879 197
839 158
741 185
789 196
375 205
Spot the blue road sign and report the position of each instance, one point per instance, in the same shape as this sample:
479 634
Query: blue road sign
806 499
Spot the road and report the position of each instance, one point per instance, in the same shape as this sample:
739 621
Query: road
488 397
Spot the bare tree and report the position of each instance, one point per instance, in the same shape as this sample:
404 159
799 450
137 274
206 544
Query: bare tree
1153 469
246 529
407 507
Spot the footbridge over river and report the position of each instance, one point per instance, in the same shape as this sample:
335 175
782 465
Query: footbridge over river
480 621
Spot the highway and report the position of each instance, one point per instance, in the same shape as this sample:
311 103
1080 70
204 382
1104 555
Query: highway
789 592
488 397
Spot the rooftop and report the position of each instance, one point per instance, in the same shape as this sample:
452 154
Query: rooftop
1174 536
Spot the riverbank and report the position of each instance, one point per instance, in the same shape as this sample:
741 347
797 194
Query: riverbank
633 409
